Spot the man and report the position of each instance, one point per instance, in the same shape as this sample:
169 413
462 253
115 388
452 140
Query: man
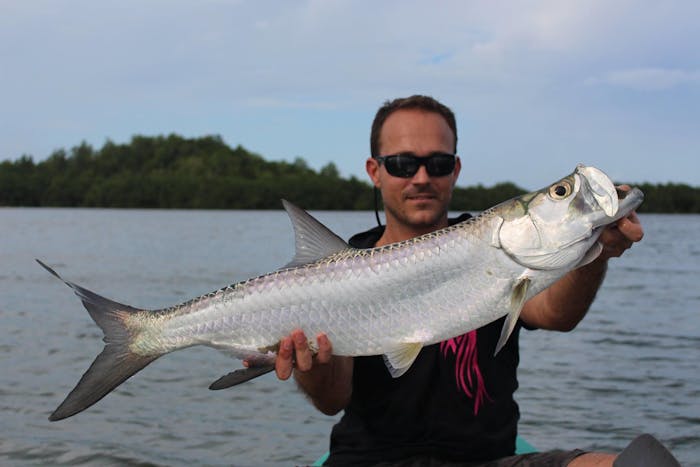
456 403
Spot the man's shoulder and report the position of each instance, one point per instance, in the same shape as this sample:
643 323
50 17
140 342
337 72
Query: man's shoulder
366 239
461 218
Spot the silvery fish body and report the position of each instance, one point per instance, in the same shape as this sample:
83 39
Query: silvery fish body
389 300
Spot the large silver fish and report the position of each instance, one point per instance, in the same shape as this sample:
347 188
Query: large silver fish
390 300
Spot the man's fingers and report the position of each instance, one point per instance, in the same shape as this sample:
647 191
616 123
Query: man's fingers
620 236
325 350
295 354
302 352
284 362
631 228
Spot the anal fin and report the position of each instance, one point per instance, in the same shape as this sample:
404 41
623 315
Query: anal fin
240 376
399 360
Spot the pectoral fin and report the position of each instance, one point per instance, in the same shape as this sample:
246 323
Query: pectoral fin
591 254
517 300
399 360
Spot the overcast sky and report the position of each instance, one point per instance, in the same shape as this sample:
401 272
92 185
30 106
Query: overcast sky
537 86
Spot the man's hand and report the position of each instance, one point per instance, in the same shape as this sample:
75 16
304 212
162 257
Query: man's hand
620 236
564 304
295 354
325 378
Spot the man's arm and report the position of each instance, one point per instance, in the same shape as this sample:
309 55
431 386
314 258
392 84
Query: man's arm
563 305
325 378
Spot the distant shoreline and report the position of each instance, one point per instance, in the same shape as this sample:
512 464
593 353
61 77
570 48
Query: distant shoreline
173 172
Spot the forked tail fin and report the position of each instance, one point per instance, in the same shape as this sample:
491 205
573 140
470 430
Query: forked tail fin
115 364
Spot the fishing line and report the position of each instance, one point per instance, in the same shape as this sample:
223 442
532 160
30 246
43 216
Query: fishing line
376 206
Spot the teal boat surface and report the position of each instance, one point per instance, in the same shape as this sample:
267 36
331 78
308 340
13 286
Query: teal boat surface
521 447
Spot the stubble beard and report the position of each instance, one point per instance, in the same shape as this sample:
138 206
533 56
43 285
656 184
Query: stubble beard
418 219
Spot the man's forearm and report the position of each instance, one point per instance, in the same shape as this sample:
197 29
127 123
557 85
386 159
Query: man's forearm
328 385
563 305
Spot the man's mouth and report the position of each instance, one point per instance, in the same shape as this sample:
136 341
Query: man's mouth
421 197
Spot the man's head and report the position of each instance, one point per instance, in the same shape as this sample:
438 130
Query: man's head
416 192
416 102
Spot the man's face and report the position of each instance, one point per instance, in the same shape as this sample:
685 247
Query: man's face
418 203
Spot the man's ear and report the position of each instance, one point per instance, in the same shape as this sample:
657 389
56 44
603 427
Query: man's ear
372 168
458 168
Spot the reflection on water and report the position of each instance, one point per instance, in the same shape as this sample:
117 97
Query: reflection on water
630 367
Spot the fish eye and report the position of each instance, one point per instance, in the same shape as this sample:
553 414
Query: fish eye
560 190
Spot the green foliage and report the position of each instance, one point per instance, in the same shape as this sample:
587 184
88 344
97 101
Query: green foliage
478 198
671 198
175 172
205 173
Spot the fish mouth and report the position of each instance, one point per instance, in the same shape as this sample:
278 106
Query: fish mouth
614 203
628 201
601 188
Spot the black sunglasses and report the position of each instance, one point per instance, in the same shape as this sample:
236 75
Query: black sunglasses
406 164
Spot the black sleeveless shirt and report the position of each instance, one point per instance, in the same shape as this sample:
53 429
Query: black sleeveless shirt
455 402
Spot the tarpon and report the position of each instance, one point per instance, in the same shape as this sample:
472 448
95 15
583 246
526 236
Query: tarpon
390 300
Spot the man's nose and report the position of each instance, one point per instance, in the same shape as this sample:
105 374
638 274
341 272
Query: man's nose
421 177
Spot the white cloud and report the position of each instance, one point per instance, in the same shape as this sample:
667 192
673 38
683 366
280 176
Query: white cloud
647 79
511 70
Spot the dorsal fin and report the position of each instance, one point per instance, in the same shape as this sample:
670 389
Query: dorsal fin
312 239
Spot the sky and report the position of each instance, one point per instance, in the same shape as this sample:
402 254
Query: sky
537 86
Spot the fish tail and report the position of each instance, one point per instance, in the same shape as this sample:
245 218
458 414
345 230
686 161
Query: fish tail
115 364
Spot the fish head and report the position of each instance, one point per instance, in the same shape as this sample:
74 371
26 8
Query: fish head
558 226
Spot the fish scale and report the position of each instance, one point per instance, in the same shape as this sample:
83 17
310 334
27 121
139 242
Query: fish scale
390 300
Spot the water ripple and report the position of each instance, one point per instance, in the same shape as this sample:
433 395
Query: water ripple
632 366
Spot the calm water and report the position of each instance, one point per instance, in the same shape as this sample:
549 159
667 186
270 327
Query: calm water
632 366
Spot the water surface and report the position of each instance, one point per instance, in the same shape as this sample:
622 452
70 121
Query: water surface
630 367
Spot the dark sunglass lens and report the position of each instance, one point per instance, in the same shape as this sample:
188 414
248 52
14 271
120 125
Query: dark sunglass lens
407 165
440 165
402 165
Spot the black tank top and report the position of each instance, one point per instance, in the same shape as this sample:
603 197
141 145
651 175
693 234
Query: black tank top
454 403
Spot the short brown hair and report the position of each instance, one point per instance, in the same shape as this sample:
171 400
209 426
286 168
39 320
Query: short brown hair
419 102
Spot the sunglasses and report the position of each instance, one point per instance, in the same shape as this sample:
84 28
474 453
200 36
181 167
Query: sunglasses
406 165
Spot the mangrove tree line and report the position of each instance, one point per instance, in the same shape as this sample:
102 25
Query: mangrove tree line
205 173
